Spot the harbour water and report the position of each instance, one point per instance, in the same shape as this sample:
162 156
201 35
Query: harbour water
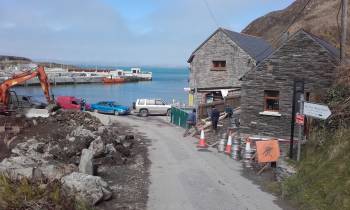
167 84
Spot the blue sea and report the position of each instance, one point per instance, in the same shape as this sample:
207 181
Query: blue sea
167 84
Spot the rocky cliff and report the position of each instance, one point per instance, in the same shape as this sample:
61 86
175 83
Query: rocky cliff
319 18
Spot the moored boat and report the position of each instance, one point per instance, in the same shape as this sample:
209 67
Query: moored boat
113 80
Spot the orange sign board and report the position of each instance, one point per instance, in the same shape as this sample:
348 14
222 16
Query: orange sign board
267 151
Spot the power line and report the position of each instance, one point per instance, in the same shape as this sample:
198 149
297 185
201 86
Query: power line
211 13
286 30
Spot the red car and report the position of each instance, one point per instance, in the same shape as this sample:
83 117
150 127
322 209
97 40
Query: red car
70 102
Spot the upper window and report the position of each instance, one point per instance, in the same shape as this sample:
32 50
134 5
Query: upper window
150 102
159 102
142 102
219 65
271 100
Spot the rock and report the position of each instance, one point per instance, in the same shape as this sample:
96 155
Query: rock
97 147
127 144
82 132
110 149
284 170
31 149
21 166
30 113
91 189
85 165
71 139
52 172
101 129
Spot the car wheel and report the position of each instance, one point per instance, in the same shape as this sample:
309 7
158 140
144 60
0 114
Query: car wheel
168 113
144 113
116 113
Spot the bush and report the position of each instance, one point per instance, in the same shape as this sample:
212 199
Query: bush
22 193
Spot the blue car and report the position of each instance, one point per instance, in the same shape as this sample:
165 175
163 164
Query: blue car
110 107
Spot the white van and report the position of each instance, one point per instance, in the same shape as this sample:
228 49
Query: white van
147 107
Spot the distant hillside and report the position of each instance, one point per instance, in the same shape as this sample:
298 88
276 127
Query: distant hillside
14 59
55 65
319 18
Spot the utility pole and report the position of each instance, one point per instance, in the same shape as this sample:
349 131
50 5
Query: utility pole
344 28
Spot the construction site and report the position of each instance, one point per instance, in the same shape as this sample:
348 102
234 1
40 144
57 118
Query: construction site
261 120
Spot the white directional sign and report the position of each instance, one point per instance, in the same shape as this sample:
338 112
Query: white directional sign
316 110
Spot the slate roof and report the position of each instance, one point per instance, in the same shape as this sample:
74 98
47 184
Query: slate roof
256 47
330 48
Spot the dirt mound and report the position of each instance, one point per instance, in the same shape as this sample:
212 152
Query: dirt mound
51 148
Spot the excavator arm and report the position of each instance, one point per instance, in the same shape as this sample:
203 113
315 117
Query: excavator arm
21 78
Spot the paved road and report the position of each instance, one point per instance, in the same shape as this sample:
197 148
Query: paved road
183 178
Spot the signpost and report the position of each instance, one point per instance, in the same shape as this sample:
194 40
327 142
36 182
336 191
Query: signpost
316 110
311 110
301 115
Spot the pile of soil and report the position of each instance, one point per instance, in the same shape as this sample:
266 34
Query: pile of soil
66 133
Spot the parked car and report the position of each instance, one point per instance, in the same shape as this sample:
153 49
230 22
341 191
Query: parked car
110 107
147 107
71 102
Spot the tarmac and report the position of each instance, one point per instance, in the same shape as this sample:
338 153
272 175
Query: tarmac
183 177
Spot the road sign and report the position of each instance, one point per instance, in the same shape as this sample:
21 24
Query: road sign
316 110
299 119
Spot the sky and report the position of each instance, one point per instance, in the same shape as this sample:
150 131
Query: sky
120 32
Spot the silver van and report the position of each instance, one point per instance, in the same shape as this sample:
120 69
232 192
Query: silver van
147 107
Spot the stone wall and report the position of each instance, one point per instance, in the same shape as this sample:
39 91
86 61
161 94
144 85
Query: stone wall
300 58
219 47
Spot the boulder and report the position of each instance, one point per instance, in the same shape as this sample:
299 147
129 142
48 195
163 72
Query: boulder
20 166
82 132
101 129
52 172
97 147
85 165
32 112
110 149
91 189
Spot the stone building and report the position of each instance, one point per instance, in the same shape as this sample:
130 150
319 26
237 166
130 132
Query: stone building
267 91
220 61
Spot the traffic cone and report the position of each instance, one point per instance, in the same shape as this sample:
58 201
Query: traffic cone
228 145
202 143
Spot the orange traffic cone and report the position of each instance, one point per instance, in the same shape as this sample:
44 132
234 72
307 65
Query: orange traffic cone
202 143
228 145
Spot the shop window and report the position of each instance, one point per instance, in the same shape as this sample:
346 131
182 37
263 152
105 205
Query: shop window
271 100
219 65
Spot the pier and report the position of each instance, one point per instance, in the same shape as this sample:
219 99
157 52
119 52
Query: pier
61 76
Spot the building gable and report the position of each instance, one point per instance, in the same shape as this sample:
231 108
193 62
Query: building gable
267 91
255 47
325 49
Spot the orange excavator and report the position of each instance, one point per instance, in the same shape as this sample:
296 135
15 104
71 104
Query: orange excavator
19 79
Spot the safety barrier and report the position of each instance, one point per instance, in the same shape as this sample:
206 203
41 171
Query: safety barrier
179 117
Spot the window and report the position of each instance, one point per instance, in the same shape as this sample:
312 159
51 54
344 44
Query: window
150 102
219 66
142 102
271 99
159 102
